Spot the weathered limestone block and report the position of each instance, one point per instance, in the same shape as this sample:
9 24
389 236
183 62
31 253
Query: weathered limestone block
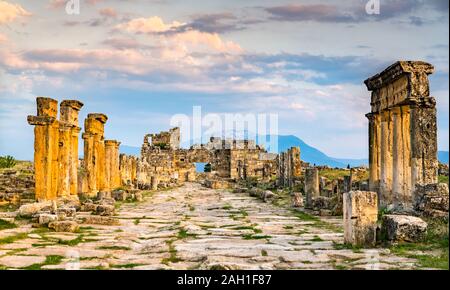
323 202
119 195
312 189
29 210
360 218
403 228
402 132
105 210
98 220
432 200
64 226
45 218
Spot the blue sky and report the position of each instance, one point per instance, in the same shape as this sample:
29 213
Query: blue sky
140 62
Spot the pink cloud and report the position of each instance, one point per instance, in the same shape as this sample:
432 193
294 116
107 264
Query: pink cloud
10 12
148 25
108 12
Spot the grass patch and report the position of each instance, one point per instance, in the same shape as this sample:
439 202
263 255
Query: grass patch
72 242
264 253
4 225
432 252
173 254
137 221
191 207
288 227
255 237
183 234
127 266
49 260
443 179
227 207
317 222
317 239
12 239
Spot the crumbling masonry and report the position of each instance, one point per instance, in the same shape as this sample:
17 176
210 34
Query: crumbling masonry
402 132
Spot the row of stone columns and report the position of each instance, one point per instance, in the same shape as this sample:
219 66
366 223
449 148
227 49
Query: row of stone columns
56 148
101 157
56 151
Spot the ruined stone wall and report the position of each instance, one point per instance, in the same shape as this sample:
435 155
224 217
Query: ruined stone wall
402 132
288 167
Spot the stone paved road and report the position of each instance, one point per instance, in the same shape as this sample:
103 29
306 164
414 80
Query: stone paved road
192 227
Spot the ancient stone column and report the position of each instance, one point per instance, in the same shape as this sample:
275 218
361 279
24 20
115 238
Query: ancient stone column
407 135
46 139
94 151
69 110
312 189
64 159
68 148
89 163
360 218
115 172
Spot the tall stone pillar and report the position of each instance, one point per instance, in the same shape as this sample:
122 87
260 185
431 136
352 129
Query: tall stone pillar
374 151
68 147
94 153
312 189
89 163
64 159
46 139
408 132
112 163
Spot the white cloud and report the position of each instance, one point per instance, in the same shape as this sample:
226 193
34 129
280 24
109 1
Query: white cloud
10 12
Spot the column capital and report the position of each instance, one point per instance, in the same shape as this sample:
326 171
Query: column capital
74 104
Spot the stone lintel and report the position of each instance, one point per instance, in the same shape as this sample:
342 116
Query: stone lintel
395 71
98 116
74 104
41 120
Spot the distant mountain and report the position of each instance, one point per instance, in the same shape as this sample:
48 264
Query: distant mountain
313 155
308 153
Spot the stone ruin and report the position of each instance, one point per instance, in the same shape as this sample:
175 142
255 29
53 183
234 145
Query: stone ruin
403 166
402 132
163 162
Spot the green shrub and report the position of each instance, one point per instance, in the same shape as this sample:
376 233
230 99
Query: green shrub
7 161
